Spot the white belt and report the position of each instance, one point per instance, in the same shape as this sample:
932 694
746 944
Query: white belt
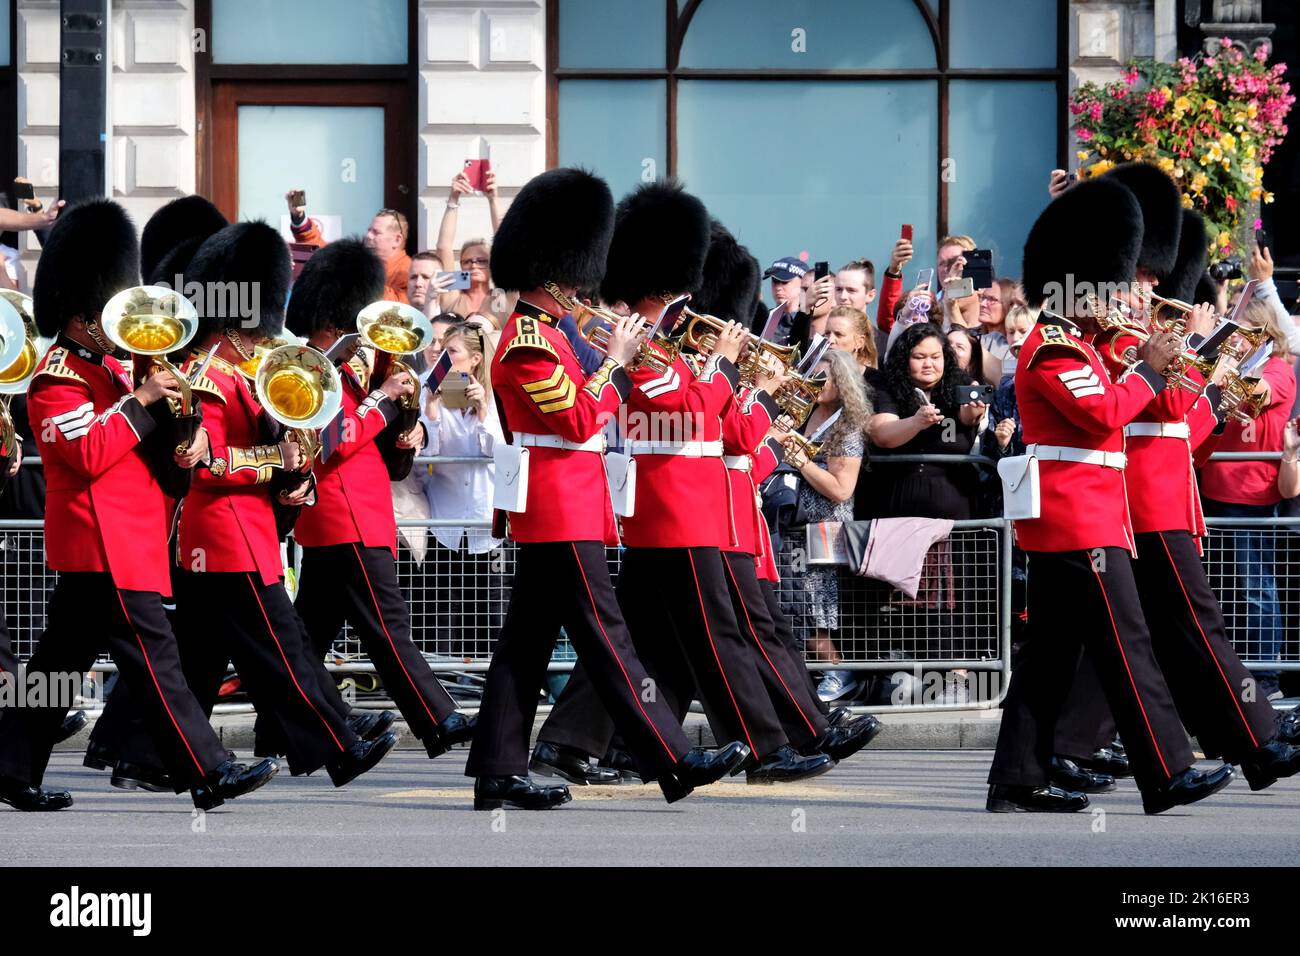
686 449
1082 456
1158 430
743 463
528 440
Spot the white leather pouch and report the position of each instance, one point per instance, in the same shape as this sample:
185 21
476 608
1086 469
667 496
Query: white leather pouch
1020 491
621 470
510 492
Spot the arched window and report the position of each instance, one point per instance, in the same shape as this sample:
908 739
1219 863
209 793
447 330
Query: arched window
821 126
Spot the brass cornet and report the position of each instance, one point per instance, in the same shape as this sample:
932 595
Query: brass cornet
153 321
702 334
300 388
797 395
1119 321
597 333
799 450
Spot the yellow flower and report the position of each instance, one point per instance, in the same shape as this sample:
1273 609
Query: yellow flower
1182 104
1081 155
1199 181
1099 167
1209 105
1251 110
1250 151
1226 164
1165 163
1228 142
1256 192
1268 197
1178 172
1187 201
1224 238
1259 174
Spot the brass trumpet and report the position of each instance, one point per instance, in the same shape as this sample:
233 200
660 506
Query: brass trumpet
20 350
300 388
1118 320
1240 400
702 334
797 395
153 321
597 333
799 450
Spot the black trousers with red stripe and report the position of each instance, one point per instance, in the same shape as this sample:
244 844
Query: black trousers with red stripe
566 584
358 585
1214 693
1089 599
785 635
87 614
678 605
225 617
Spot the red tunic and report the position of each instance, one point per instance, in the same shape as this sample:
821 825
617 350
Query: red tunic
744 424
1067 398
543 391
769 455
681 502
227 521
1160 477
354 500
104 509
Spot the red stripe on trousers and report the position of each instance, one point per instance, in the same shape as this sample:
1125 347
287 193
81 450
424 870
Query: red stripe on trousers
154 677
750 624
1219 667
292 676
380 614
709 634
610 644
1124 657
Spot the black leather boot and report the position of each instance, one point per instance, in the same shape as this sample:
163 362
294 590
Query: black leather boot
232 780
701 767
1186 787
557 760
455 729
129 776
1068 775
786 766
1270 763
519 792
31 799
1005 798
360 757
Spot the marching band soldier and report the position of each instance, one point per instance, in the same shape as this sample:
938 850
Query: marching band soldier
683 514
1081 583
1210 686
349 536
230 596
106 524
120 741
552 242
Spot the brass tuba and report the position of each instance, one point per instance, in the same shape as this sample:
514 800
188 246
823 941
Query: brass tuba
154 321
300 388
21 349
250 366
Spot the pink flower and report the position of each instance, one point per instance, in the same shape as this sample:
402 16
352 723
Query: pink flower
1156 99
1259 224
1095 112
1261 54
1084 135
1130 76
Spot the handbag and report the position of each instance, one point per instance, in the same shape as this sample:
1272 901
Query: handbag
1021 499
510 490
621 471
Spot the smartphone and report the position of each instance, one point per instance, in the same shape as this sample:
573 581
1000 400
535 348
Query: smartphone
925 278
460 279
1071 178
921 397
476 172
24 191
453 388
974 392
669 317
959 288
1262 238
979 267
907 232
821 270
298 197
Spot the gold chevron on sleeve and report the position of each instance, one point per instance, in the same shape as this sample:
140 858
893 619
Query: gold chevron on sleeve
548 383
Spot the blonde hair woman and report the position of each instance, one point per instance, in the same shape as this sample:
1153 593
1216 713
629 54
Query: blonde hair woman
473 592
849 330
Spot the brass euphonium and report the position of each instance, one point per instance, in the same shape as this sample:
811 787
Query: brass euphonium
299 387
702 334
250 366
154 321
393 329
21 349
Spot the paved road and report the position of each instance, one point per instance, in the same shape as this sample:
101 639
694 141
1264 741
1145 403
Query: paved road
879 808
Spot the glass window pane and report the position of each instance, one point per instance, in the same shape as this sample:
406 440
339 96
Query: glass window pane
285 146
615 127
5 39
309 31
807 35
1002 33
613 33
781 195
1002 136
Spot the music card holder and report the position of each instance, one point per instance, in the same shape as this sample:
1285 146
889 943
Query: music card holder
1021 499
510 491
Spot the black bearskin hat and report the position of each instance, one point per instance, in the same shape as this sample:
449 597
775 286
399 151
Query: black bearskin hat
173 234
1162 214
1089 235
90 255
731 282
336 283
232 263
1207 290
1193 253
557 230
661 236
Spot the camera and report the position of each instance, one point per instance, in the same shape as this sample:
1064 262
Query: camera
1229 268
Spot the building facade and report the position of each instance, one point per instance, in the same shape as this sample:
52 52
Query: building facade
797 121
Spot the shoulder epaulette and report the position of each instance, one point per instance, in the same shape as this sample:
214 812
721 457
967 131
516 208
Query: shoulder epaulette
528 337
57 367
1055 337
208 387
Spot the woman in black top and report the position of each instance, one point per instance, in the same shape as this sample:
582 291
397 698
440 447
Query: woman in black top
921 365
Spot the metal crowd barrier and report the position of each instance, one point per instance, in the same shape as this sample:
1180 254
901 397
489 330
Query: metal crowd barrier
948 648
